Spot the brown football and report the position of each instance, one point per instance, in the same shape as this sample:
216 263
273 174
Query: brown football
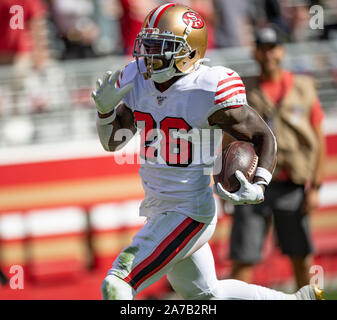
237 155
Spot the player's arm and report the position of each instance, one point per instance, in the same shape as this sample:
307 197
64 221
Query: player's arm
311 200
114 122
243 123
321 157
117 133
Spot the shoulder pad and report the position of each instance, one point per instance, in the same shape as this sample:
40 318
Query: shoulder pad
230 90
129 73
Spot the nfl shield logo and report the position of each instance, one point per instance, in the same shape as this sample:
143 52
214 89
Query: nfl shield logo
160 100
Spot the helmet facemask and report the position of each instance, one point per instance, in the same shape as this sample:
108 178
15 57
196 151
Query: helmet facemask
155 46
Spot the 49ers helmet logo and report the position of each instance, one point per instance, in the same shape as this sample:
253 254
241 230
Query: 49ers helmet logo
198 23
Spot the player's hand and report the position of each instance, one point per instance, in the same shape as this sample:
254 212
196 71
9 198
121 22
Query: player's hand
107 96
249 193
310 201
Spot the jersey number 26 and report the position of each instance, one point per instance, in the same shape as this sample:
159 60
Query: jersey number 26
174 150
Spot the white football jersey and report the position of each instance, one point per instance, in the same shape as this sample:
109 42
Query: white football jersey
178 145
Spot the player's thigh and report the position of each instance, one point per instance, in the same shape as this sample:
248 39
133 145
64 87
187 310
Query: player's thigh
249 228
194 277
163 241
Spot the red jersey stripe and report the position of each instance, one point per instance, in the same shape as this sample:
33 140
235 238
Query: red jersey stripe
120 79
229 88
227 80
229 96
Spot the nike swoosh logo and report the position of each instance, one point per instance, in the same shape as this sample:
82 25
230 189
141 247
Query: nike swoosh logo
230 73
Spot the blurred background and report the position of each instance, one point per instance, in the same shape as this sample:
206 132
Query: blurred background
66 207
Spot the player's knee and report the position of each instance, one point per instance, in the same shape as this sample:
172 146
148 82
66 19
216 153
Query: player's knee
216 291
212 294
188 293
114 288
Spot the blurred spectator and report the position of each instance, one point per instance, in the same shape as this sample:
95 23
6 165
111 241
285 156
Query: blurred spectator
330 19
273 11
134 13
3 278
75 23
274 15
290 106
297 17
293 18
107 16
23 46
23 36
232 25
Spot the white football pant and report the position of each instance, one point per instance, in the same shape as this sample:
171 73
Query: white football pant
175 245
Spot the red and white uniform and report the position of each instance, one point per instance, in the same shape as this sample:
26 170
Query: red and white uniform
173 170
178 199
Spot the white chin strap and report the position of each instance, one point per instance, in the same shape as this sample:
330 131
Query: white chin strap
163 76
170 72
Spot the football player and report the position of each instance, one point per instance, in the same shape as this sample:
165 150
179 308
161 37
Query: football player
168 93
